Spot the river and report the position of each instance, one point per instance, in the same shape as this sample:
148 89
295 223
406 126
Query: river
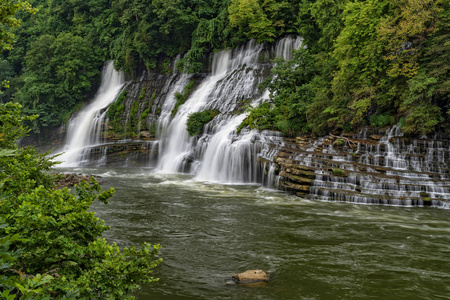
312 249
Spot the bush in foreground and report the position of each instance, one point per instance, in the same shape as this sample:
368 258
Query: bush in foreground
50 244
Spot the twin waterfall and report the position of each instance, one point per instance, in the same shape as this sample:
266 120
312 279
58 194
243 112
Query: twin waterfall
367 167
85 128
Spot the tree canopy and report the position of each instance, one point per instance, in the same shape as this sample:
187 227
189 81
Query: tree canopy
378 59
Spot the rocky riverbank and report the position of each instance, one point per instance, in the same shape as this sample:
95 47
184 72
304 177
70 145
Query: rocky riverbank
71 179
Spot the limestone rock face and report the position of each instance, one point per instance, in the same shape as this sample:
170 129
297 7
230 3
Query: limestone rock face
251 276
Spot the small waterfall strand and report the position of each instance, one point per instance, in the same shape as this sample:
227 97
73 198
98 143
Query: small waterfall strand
84 129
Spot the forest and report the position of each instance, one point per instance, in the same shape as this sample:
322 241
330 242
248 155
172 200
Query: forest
377 62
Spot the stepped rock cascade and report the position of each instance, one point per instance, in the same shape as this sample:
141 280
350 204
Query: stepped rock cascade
178 149
369 168
169 104
85 128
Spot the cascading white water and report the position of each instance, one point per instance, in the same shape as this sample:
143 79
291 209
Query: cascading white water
235 76
178 149
84 129
226 160
388 171
169 103
285 46
232 158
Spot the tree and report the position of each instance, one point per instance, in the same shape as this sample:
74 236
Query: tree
414 37
45 231
6 74
60 72
360 63
404 32
51 239
8 9
290 92
250 18
320 22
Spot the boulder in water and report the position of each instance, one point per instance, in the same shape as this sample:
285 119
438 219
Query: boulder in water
69 180
250 276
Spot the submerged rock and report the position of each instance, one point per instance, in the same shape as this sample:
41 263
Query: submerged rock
250 276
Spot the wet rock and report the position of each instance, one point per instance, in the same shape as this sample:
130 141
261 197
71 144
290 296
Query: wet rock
376 137
145 134
250 276
72 179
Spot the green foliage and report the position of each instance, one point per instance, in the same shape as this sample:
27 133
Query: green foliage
50 241
61 72
11 125
251 19
189 87
117 107
291 94
8 10
142 95
320 22
145 114
363 57
381 120
134 120
152 129
360 62
405 30
6 74
196 121
260 117
339 172
181 98
262 21
423 119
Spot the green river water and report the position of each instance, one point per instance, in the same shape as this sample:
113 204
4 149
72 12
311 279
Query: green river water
312 249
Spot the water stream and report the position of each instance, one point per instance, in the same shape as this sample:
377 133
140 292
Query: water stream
313 249
84 129
219 154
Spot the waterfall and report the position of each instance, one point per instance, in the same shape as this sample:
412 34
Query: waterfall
84 128
228 160
378 169
232 158
178 151
372 166
219 154
285 46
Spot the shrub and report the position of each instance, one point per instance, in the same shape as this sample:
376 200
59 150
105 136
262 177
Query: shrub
50 241
142 95
181 98
381 120
260 117
196 121
117 106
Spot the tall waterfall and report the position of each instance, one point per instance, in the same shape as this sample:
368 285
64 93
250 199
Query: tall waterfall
219 155
179 143
84 129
